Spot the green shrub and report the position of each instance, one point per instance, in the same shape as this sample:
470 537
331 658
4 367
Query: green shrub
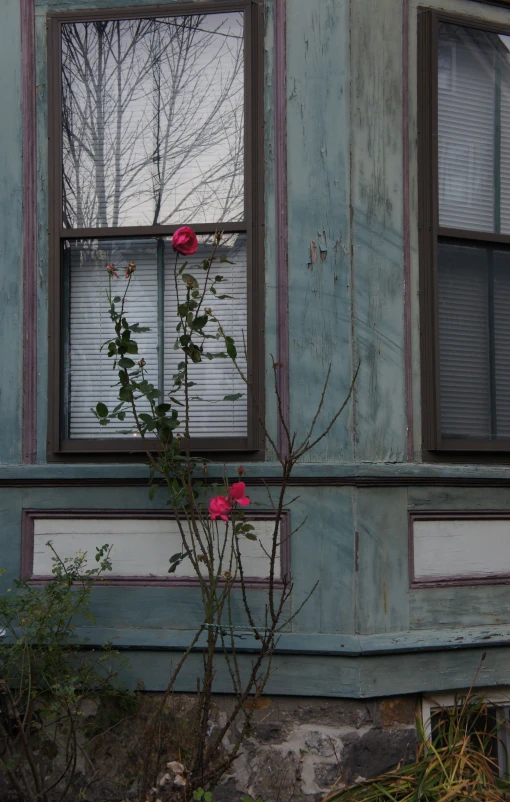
45 676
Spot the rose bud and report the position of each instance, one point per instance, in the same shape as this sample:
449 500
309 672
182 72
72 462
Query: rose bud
111 270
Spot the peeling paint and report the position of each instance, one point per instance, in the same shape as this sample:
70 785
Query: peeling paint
313 254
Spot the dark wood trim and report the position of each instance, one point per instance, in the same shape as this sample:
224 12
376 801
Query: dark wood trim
501 3
254 205
54 225
281 222
361 482
140 12
478 236
479 23
445 444
131 446
252 446
406 236
427 192
448 581
29 516
29 424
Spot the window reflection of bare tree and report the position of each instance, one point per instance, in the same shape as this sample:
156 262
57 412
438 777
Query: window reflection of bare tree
153 125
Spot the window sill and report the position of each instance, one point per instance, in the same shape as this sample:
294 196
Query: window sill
211 448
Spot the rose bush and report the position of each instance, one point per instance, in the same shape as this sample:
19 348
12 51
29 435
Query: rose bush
214 550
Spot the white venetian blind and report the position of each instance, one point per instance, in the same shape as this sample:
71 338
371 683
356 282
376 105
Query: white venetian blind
216 378
464 342
466 95
89 375
504 72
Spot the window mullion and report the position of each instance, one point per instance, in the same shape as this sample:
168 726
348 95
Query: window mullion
497 143
492 344
161 314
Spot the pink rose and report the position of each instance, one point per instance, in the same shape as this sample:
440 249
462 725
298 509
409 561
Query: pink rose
219 507
237 494
185 241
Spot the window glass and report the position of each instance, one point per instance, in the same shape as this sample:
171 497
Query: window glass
473 129
152 302
153 121
474 340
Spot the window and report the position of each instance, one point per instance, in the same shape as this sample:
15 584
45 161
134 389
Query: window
486 718
464 147
155 123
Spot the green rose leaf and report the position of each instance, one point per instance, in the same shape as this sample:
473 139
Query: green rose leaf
102 410
190 280
231 349
200 322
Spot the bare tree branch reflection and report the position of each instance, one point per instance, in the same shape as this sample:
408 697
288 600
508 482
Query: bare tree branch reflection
153 125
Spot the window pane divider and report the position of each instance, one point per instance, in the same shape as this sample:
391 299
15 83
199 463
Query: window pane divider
151 231
161 317
468 234
492 345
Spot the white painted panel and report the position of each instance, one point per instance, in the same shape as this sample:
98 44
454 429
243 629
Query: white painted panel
458 548
139 547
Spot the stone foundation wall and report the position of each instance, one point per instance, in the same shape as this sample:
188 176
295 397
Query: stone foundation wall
301 747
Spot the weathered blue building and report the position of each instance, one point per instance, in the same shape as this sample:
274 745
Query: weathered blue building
358 156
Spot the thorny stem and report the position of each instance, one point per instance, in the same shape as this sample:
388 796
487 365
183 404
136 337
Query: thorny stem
26 745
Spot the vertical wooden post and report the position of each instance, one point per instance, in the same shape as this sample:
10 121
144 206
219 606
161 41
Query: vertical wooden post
29 425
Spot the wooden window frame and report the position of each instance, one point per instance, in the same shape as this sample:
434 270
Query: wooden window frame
430 231
251 446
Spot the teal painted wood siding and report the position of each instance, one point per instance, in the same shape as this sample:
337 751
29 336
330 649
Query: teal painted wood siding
364 631
319 219
11 234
